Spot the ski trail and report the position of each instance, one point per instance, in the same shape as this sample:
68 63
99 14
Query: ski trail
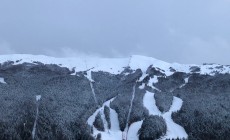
38 97
114 120
103 119
96 101
88 76
173 130
150 104
133 130
92 118
130 109
110 134
94 95
186 81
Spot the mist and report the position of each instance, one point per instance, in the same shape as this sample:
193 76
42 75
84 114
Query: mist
174 31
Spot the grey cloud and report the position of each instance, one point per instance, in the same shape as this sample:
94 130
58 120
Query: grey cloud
174 31
5 48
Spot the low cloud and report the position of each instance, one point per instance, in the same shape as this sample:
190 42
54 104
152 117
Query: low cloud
207 50
69 52
174 31
5 48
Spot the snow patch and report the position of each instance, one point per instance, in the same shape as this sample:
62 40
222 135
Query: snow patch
143 76
38 97
2 80
186 81
142 86
152 81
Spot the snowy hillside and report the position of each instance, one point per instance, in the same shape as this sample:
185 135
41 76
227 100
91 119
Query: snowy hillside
116 65
135 98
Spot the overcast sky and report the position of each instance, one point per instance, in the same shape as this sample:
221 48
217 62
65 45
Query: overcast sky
194 31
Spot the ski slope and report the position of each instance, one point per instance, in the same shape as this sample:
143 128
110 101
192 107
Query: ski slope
109 134
173 130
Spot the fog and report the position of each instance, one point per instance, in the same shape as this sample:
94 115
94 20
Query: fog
174 31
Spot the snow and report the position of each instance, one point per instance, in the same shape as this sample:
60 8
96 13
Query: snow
133 131
92 118
173 130
130 108
150 104
103 119
150 84
142 77
114 133
152 81
142 86
109 134
114 120
116 66
113 65
93 92
186 81
144 62
38 97
88 76
2 80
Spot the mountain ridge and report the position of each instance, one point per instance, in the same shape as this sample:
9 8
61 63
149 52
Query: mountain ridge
115 65
112 99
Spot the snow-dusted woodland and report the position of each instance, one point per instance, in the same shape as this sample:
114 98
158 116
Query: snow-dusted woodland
136 98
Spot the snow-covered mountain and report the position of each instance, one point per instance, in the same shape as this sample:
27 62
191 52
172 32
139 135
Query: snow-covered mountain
131 98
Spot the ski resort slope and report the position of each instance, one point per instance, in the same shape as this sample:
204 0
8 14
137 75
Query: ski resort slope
114 65
173 130
109 134
117 66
